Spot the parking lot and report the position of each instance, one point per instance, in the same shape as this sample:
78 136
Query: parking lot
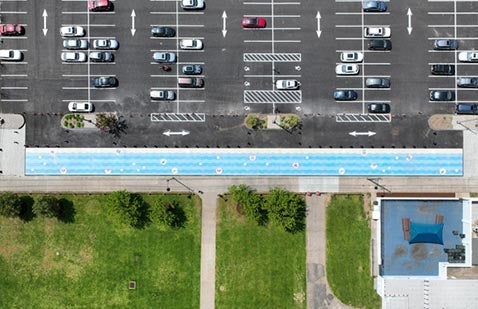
240 68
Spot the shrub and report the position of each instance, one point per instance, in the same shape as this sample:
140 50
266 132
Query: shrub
168 214
46 206
10 204
251 202
128 208
254 122
289 122
286 210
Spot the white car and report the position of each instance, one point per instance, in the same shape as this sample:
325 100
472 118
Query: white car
162 95
80 107
377 32
347 69
191 44
72 31
192 4
105 44
468 56
10 55
351 56
75 44
73 57
287 84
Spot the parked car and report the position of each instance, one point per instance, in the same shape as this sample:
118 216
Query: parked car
99 5
379 44
101 57
190 44
104 82
72 31
75 44
80 107
377 82
442 69
163 31
351 56
164 57
287 84
254 22
442 95
374 6
192 69
466 108
378 108
10 55
190 82
347 69
73 57
162 95
11 29
445 44
470 56
105 44
193 4
377 32
467 82
345 95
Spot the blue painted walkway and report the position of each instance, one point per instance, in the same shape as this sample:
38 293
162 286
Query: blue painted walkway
243 162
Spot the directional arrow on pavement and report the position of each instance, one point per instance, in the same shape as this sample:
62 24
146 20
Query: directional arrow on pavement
169 133
45 30
369 133
224 31
409 28
319 32
133 29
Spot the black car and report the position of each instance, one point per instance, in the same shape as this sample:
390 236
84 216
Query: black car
192 69
377 82
466 108
379 44
443 69
442 95
104 82
467 82
163 31
378 108
345 95
374 6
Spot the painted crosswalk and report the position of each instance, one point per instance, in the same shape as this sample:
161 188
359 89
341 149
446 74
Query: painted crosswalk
272 96
363 118
269 57
178 117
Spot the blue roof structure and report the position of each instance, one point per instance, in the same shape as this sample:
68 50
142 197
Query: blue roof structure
426 233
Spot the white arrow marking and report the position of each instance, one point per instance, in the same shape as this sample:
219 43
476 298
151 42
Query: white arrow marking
224 31
319 32
169 133
409 28
133 29
369 133
45 30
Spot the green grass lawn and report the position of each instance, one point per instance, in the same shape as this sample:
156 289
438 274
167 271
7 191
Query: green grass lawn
257 267
87 263
348 252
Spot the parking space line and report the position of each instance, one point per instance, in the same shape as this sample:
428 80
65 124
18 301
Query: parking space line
348 26
276 16
14 37
83 100
12 12
451 13
268 3
179 13
366 101
14 100
191 101
180 26
451 26
75 88
270 29
91 25
442 76
87 12
348 39
14 75
369 63
15 63
440 88
14 88
355 13
270 75
84 75
366 89
359 76
273 41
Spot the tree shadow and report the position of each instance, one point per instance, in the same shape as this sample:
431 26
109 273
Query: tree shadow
142 212
66 212
180 218
26 212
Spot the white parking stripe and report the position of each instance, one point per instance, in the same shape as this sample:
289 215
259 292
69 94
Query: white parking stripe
74 88
275 3
451 13
83 100
360 88
179 13
14 37
86 12
12 12
182 25
451 26
14 100
359 13
282 75
85 75
14 88
266 29
270 41
368 63
14 75
360 76
17 63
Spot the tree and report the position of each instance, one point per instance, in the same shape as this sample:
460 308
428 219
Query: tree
251 202
111 124
240 193
286 210
128 208
47 206
10 204
168 214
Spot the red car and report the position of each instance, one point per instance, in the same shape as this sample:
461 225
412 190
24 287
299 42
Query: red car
11 29
254 22
99 5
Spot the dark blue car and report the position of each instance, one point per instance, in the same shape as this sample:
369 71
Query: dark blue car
374 6
345 95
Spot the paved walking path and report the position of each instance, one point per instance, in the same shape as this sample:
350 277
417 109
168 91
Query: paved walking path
319 295
208 250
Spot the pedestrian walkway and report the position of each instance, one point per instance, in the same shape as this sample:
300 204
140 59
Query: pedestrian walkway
208 250
319 295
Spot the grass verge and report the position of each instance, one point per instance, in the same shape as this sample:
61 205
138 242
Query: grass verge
348 252
257 266
89 261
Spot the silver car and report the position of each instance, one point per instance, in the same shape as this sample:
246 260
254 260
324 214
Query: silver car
377 83
162 95
164 57
467 82
105 44
75 44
